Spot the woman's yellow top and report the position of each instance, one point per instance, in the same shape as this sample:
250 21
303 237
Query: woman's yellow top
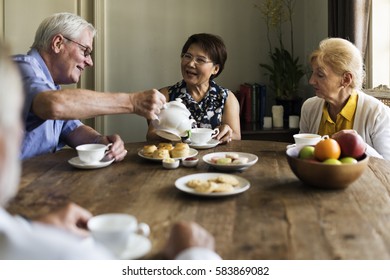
344 119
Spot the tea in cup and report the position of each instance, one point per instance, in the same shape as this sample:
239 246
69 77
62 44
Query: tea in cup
115 230
306 139
203 135
92 153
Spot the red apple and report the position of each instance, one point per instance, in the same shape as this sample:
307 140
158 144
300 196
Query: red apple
351 143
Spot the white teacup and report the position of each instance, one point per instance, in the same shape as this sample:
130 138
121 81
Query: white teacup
306 139
92 153
115 230
202 135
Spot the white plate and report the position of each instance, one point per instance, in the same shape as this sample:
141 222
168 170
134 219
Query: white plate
76 162
210 144
252 159
136 248
192 153
181 184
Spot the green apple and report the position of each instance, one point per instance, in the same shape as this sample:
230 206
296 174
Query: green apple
348 160
332 161
307 152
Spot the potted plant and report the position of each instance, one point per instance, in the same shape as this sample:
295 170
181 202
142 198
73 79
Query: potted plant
285 71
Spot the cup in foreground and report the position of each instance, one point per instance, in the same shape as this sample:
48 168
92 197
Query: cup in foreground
202 135
115 230
306 139
92 153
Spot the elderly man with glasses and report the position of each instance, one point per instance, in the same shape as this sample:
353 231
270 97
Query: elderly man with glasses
60 53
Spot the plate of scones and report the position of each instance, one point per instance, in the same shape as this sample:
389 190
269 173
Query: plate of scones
212 184
163 151
230 161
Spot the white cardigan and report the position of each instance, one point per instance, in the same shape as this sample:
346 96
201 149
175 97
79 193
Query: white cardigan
372 122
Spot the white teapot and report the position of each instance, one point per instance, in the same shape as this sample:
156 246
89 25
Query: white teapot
173 121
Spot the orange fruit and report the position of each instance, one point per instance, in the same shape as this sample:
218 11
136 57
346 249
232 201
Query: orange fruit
326 149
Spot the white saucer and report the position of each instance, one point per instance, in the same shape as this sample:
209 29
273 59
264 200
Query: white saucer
76 162
211 144
136 248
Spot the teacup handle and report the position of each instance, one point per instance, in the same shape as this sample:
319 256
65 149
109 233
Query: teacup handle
143 229
215 132
193 123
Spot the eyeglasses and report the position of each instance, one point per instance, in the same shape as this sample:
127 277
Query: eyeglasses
87 51
200 60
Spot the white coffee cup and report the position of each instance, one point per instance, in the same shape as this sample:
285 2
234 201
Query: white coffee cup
306 139
115 230
92 153
202 135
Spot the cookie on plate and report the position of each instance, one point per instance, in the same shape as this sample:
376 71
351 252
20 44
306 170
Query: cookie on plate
227 179
223 187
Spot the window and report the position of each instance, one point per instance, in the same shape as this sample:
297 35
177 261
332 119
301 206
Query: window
378 60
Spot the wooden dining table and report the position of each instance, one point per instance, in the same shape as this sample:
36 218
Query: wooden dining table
277 218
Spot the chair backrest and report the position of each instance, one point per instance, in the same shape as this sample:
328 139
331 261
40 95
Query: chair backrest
381 92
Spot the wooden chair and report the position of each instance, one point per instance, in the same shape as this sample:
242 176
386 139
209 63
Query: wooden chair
381 92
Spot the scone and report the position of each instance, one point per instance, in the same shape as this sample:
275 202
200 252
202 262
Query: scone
180 150
182 145
167 146
161 153
148 150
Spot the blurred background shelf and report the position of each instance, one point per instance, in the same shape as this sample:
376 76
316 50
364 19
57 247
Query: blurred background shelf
253 131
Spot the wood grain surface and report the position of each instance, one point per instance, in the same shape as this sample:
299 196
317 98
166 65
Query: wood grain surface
277 218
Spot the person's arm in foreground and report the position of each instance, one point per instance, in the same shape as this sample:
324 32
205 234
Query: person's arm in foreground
71 217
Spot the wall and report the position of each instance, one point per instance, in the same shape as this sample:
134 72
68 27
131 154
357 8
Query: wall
142 40
148 36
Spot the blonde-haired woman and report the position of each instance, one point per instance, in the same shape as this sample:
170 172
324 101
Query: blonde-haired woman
339 104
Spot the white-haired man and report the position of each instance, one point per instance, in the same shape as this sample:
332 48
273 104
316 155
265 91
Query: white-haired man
60 53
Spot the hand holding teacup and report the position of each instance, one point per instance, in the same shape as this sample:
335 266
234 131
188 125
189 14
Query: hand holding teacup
92 153
203 135
115 230
225 134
